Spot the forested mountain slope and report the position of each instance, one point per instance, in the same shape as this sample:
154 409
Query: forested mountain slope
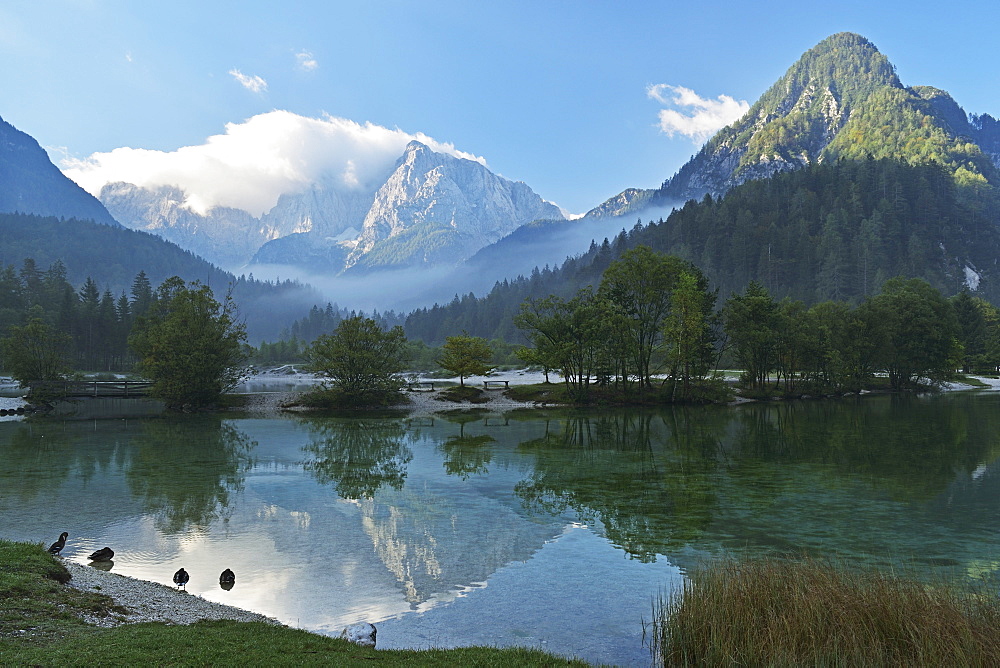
112 256
835 230
841 99
30 183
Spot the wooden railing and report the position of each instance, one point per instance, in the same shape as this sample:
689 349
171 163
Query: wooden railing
92 388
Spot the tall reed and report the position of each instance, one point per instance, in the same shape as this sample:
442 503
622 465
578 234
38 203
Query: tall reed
770 612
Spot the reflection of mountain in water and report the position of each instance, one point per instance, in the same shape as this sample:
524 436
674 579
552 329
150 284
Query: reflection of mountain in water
436 541
435 535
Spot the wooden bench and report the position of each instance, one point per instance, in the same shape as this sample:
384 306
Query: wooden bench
495 384
423 386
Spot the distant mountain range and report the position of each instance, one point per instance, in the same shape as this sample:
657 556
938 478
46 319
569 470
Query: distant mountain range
842 100
430 209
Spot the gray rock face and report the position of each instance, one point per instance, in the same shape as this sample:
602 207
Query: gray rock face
225 237
430 208
435 193
360 634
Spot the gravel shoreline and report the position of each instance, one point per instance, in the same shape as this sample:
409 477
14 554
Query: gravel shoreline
151 601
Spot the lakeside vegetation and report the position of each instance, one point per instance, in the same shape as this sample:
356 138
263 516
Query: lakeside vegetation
754 612
40 625
809 613
649 333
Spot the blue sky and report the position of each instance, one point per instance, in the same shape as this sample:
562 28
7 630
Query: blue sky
552 93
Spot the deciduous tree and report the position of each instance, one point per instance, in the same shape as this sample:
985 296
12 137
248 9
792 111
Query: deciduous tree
466 356
189 345
360 359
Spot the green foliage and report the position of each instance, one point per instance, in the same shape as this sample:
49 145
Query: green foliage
35 351
463 394
466 356
638 290
361 361
570 336
920 340
687 332
190 346
752 325
280 352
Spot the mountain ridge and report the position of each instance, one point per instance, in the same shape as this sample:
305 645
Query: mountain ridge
31 184
840 99
430 208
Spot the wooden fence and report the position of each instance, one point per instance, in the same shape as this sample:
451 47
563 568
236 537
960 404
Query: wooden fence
92 388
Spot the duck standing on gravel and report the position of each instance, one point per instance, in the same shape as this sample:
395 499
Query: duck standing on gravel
103 554
56 547
181 577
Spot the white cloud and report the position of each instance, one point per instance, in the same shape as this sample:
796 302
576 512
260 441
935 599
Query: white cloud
259 159
692 115
254 84
306 61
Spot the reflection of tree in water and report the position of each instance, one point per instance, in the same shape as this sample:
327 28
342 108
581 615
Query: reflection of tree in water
466 455
612 468
40 456
358 455
661 481
184 470
910 446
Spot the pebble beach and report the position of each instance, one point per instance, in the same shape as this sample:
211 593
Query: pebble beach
150 601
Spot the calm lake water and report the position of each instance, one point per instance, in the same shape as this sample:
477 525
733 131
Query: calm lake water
553 529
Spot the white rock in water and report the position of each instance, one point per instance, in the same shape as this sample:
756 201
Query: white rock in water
360 634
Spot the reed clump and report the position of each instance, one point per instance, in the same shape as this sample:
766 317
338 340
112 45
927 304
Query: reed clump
808 613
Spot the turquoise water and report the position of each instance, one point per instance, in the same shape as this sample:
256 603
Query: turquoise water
553 529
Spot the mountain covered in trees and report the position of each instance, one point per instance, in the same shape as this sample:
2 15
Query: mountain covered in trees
30 183
841 99
110 257
831 231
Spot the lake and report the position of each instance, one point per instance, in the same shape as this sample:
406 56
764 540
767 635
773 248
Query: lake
549 528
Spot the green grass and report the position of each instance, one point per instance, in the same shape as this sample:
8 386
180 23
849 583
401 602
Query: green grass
39 625
541 392
335 399
969 380
807 613
460 394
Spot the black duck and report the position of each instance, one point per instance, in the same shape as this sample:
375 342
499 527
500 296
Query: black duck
56 547
103 554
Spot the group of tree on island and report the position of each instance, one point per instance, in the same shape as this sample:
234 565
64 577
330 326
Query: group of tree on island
650 331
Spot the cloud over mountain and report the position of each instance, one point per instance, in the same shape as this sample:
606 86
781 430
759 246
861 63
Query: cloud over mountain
257 160
694 116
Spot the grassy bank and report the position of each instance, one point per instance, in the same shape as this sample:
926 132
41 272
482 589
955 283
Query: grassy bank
774 613
40 625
